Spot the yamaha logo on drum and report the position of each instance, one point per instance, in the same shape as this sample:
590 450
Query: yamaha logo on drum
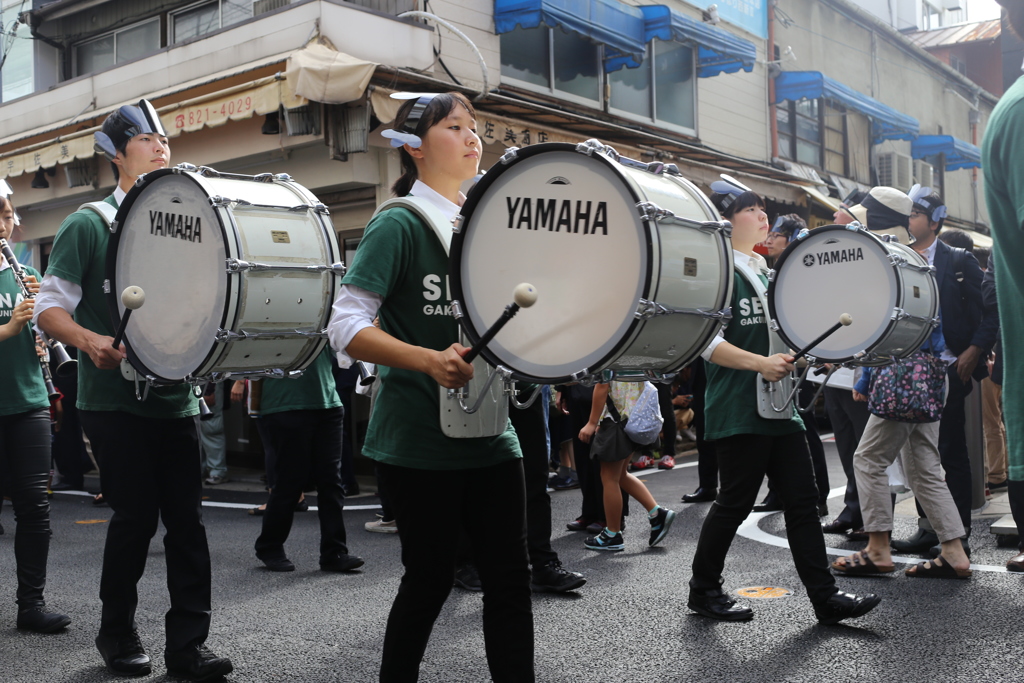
556 214
809 260
175 225
824 258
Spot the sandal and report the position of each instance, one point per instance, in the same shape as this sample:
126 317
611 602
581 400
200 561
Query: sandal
859 564
98 500
257 511
934 569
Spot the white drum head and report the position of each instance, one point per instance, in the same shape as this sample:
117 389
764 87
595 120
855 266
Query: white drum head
567 224
171 244
833 271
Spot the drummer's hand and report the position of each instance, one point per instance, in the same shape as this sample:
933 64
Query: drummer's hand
966 362
859 397
33 284
103 354
448 369
774 368
238 391
560 403
587 433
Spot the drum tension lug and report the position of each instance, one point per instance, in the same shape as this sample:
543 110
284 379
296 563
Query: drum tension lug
219 201
457 223
509 156
456 309
208 172
185 167
106 286
264 177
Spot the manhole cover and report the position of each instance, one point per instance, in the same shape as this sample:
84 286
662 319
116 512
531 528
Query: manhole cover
764 592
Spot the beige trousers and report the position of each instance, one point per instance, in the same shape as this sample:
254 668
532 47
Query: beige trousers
879 447
995 432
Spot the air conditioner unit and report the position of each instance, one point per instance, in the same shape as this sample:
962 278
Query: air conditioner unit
924 174
894 170
81 172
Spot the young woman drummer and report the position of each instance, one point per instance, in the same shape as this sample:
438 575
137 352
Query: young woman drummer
24 440
399 274
749 445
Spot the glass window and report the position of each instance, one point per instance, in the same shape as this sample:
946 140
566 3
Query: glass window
631 89
208 17
785 122
120 46
525 56
138 41
577 63
674 84
18 72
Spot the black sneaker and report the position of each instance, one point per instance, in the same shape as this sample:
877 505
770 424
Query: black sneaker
197 663
41 619
605 541
467 578
341 563
553 578
124 655
660 525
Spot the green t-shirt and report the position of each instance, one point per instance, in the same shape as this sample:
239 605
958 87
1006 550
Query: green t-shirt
731 397
1002 158
21 375
79 255
315 390
402 260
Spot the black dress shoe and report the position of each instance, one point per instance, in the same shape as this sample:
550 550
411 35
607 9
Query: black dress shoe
341 563
823 510
717 605
197 663
845 606
554 578
467 578
277 563
701 495
836 526
578 524
920 542
936 550
41 620
124 655
771 503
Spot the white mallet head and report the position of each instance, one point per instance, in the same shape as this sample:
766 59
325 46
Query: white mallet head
525 295
133 297
845 319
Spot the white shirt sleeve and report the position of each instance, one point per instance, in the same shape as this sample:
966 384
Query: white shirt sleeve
354 310
719 338
55 292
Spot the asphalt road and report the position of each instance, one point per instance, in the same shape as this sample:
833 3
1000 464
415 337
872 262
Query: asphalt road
629 623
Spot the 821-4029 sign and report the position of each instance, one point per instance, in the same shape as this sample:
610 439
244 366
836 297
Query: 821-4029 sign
213 113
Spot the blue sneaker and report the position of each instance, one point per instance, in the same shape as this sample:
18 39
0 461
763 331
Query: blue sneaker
660 525
605 541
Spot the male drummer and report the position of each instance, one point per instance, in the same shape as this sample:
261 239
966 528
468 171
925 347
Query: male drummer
148 451
782 233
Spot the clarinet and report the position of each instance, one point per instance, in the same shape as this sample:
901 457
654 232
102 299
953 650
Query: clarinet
66 365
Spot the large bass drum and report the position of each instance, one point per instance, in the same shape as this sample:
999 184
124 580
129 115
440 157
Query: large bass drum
239 274
887 288
632 266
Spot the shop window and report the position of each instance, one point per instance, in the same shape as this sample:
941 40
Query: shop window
661 90
553 62
207 17
123 45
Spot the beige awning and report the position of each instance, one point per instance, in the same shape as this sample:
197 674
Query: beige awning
322 74
828 202
259 97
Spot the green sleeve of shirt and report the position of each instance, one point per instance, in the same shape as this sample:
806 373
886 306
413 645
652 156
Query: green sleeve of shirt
388 242
75 246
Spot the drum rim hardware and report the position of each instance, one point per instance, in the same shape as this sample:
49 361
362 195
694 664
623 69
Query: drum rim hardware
645 310
235 265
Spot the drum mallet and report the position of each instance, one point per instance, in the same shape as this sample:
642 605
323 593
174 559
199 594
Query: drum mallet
132 297
844 320
523 296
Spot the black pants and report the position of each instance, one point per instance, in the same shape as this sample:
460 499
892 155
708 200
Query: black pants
668 416
151 471
953 447
707 460
578 399
848 418
498 539
24 469
69 452
744 460
529 426
814 446
307 444
1015 493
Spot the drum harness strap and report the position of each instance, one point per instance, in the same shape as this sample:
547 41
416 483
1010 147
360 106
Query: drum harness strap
766 390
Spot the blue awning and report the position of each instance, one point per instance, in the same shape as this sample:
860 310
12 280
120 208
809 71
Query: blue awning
959 154
608 22
718 51
886 122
